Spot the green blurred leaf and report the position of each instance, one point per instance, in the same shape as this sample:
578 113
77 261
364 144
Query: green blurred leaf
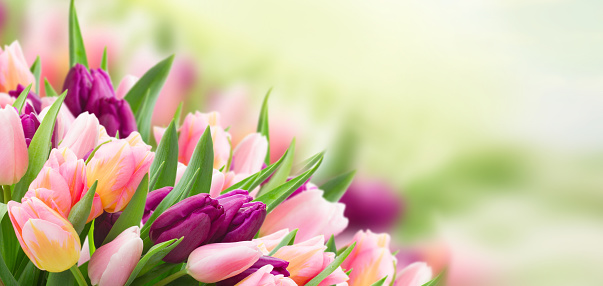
308 163
281 175
436 281
263 127
331 247
178 114
104 65
77 51
39 148
152 258
132 214
81 211
5 275
155 177
287 240
64 278
380 282
167 153
20 101
331 267
36 69
336 187
49 90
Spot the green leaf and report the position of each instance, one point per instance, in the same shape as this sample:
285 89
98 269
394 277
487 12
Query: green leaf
49 90
167 152
281 175
64 278
94 151
36 69
81 211
39 148
263 124
143 95
9 248
308 163
437 280
273 198
380 282
5 275
178 114
152 258
91 245
155 177
331 247
336 187
132 214
77 51
157 274
104 64
331 267
20 101
287 240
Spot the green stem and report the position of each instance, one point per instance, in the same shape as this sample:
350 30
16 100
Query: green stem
81 281
171 278
6 193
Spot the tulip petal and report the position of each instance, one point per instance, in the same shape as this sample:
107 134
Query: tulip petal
53 249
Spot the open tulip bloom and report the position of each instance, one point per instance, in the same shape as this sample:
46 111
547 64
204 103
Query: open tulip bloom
89 199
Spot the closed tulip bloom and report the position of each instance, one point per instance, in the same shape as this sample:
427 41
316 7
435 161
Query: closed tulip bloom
116 115
47 238
191 130
371 259
33 101
14 69
279 268
195 218
13 151
30 124
154 198
246 222
113 262
272 240
231 202
320 217
415 274
82 135
218 261
103 225
6 99
264 277
78 84
249 155
119 166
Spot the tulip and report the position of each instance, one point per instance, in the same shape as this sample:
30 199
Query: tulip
82 135
231 202
30 124
195 218
191 130
214 262
125 85
14 70
77 83
415 274
279 268
116 115
154 198
246 222
264 277
320 217
113 262
307 259
119 166
63 121
47 238
272 240
103 225
371 259
304 187
249 155
13 148
6 99
33 100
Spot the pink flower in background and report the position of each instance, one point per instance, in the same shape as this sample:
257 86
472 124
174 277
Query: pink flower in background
14 69
113 262
415 274
218 261
125 85
263 277
13 151
248 156
6 99
371 259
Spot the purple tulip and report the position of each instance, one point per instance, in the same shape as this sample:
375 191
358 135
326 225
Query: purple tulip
246 222
102 226
195 218
32 99
116 115
78 83
30 124
231 202
154 198
280 268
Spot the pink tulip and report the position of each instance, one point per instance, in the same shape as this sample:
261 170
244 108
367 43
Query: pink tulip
64 119
263 277
217 182
249 155
14 69
415 274
307 259
191 130
6 99
269 242
125 85
320 217
47 238
119 167
218 261
179 172
82 135
13 149
113 262
371 259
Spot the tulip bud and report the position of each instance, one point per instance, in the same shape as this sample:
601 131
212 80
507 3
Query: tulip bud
33 101
231 202
102 226
371 259
249 155
116 115
264 277
195 218
415 274
154 198
191 130
279 268
125 85
82 136
246 222
13 149
30 124
78 84
14 69
47 238
113 262
214 262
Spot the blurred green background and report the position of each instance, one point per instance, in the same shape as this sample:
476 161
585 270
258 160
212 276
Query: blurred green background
487 116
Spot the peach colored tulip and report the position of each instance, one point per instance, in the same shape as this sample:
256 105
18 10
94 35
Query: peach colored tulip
307 259
249 155
191 130
218 261
269 242
320 217
6 99
119 167
371 259
47 238
83 134
113 262
263 277
125 85
13 149
14 69
415 274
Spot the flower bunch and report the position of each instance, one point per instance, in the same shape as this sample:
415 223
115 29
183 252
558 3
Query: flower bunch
88 199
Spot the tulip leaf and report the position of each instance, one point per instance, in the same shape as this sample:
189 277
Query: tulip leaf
155 177
287 240
167 153
20 101
336 187
435 281
274 197
203 159
59 279
39 148
308 163
178 114
81 211
36 69
5 275
49 90
132 214
158 273
94 151
104 65
9 248
263 127
380 282
77 51
331 247
331 267
143 95
152 258
281 175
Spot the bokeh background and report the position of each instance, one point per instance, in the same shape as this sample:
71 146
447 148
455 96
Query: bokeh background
484 118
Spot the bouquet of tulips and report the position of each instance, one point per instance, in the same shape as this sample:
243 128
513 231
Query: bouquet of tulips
88 201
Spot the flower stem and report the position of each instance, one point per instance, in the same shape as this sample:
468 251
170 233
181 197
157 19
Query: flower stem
6 193
81 281
171 278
